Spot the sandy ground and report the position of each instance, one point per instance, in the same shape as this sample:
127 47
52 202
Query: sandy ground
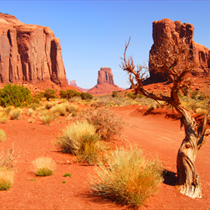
155 134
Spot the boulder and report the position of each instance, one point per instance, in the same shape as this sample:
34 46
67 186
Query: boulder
167 29
29 53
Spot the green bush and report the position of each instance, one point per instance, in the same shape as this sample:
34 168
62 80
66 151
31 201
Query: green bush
14 95
114 94
194 94
49 93
131 95
85 96
127 177
68 94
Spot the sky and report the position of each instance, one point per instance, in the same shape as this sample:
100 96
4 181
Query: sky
93 33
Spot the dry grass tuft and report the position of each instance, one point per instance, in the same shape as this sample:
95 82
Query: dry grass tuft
44 166
15 114
127 178
6 178
2 135
3 117
80 139
46 117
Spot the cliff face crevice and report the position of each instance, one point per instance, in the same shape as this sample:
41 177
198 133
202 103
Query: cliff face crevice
29 53
167 29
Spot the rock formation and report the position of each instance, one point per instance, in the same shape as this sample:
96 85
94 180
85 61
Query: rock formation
167 29
105 76
105 83
74 84
29 53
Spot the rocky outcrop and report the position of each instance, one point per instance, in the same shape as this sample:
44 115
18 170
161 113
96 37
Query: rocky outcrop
105 83
105 76
74 84
167 29
29 53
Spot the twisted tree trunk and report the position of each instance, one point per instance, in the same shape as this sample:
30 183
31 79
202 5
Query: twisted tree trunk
188 180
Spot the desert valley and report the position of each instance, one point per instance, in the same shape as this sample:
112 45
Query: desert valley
67 147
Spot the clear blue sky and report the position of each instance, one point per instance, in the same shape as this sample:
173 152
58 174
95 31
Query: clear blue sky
93 33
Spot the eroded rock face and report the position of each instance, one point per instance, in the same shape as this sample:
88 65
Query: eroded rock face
29 53
105 76
167 29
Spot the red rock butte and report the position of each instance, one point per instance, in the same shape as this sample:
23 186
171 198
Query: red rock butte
167 29
105 83
29 53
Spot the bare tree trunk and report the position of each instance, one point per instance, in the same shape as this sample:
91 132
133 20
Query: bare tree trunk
188 179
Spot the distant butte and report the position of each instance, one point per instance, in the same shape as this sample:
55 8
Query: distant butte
105 83
74 84
29 53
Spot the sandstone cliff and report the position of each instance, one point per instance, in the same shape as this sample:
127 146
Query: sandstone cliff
29 53
167 29
105 83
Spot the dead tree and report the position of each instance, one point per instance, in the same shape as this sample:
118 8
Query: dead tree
175 59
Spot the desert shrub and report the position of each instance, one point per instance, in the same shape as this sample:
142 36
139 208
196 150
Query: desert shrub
85 96
201 112
46 117
43 166
68 94
80 139
131 95
194 94
15 114
49 93
127 177
2 135
6 178
3 117
7 158
49 105
60 109
90 149
107 124
67 175
185 91
14 95
114 94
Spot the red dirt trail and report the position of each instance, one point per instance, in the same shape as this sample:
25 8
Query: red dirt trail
153 133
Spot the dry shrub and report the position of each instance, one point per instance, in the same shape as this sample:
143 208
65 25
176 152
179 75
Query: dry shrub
3 117
15 114
201 112
7 158
6 178
106 122
2 135
44 166
127 178
60 109
80 139
46 117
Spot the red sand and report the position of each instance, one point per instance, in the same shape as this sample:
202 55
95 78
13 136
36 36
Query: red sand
155 134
